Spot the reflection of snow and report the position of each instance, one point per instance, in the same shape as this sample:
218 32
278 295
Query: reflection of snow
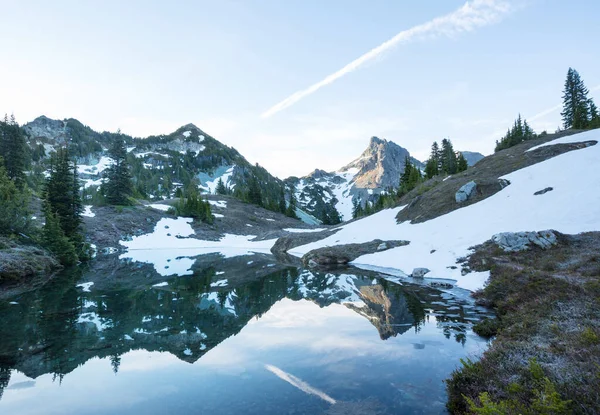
86 286
294 230
170 249
92 317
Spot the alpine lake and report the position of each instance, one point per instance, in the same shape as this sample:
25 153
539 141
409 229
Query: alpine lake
239 335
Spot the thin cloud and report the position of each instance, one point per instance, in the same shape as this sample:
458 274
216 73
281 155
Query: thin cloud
472 15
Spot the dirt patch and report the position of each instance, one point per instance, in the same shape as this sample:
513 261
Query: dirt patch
547 334
436 196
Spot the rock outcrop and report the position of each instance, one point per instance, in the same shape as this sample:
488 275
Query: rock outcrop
343 254
521 241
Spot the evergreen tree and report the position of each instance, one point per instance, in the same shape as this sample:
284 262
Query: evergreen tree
290 211
118 186
432 166
357 209
462 163
55 239
282 205
14 205
192 205
448 157
254 192
405 177
13 149
519 132
594 116
221 189
62 193
575 113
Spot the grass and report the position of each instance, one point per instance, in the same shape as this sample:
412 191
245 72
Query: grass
546 354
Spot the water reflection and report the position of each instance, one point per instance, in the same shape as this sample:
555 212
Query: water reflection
314 331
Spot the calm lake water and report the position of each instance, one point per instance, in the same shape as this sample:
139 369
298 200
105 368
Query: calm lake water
231 340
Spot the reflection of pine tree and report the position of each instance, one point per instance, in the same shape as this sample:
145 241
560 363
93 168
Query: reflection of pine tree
115 362
4 379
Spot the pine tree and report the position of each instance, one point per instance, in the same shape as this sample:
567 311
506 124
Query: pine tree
432 166
254 192
221 189
14 205
519 132
462 163
55 239
448 157
282 205
61 193
594 116
13 149
576 109
118 186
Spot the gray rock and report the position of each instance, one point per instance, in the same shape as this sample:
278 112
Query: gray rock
382 246
541 192
521 241
466 192
419 272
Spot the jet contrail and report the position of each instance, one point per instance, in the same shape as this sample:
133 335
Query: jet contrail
299 383
472 15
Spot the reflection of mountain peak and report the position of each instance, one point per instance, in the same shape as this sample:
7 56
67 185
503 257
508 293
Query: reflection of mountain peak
389 314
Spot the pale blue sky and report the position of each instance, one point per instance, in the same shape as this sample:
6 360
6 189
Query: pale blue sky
148 67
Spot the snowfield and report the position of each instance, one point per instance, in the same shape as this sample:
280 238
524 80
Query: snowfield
572 207
170 248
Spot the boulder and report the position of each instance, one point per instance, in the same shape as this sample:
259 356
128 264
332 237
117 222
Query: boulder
541 192
419 272
382 246
521 241
466 192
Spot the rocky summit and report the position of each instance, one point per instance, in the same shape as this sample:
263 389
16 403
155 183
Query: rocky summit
378 168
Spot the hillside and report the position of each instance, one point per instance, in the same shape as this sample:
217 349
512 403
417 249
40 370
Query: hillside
441 230
159 164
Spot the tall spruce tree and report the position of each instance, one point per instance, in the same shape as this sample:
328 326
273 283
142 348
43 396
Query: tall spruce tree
61 193
448 157
254 192
13 149
576 111
519 132
14 205
432 166
462 164
118 186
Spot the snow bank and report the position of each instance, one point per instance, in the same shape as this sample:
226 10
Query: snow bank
211 185
572 207
218 203
87 211
171 249
159 206
95 169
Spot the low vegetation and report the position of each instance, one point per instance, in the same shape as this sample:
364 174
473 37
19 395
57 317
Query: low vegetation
545 358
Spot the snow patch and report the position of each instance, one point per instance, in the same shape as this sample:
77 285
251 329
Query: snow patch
87 211
85 286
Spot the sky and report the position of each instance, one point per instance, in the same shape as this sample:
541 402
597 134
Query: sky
296 85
